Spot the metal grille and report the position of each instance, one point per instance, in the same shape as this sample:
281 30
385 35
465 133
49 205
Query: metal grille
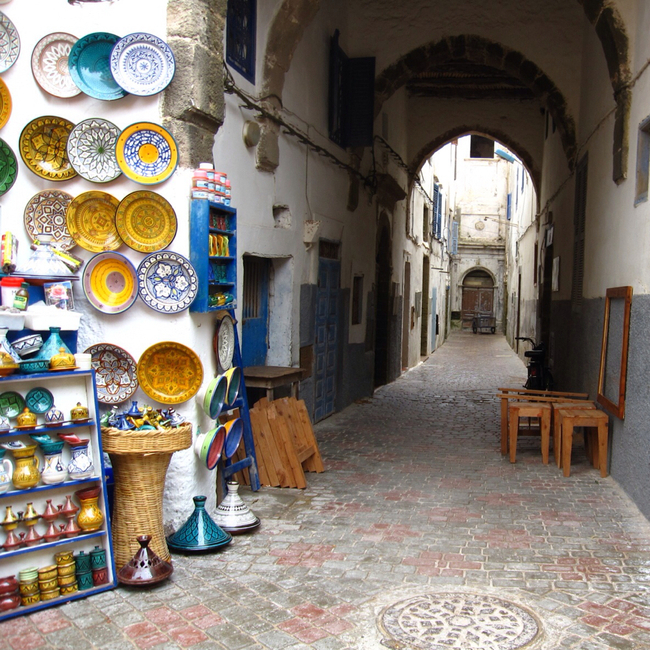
328 249
254 268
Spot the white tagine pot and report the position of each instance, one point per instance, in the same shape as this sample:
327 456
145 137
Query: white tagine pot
233 515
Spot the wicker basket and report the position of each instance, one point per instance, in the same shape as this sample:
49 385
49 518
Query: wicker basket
140 460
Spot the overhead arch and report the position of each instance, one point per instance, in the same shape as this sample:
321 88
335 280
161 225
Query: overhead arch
476 49
444 138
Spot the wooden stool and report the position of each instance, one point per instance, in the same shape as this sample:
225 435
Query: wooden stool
557 424
590 418
539 410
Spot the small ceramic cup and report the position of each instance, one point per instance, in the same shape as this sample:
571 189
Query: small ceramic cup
31 599
50 595
47 572
66 569
84 360
49 584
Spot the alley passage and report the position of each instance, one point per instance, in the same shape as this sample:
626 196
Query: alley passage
419 535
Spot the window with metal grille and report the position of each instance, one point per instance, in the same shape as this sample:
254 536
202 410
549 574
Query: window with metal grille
357 299
328 249
579 222
240 37
254 270
425 223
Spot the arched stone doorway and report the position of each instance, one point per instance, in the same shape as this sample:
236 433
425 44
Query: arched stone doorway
478 297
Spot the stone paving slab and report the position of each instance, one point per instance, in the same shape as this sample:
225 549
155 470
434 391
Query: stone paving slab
416 502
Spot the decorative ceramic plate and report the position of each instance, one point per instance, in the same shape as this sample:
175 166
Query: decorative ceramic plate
11 404
39 400
50 65
90 66
167 282
43 148
91 150
91 221
142 64
9 43
45 215
146 153
170 372
5 103
115 373
146 221
109 282
8 167
223 341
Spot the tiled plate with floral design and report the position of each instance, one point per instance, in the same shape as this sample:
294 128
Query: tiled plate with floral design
115 373
167 282
43 147
91 150
50 65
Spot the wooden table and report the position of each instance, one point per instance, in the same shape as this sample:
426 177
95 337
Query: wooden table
270 377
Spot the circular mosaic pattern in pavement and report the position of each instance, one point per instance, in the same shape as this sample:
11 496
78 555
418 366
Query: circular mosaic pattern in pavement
449 621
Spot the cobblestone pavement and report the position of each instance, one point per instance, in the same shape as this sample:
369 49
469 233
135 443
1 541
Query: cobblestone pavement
417 505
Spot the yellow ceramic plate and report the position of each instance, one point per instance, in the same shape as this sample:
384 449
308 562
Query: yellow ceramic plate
43 145
5 103
91 221
170 372
110 283
146 221
146 153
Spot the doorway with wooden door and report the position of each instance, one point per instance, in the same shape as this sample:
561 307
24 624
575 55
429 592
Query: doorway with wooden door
478 297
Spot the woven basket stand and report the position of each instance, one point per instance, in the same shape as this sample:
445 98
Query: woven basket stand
140 460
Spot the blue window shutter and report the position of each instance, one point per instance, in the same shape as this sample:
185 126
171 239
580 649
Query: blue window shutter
240 37
509 207
454 237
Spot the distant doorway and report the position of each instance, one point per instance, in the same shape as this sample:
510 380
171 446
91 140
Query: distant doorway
478 297
255 310
383 313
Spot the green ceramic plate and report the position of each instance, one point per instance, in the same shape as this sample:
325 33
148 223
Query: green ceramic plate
8 167
11 404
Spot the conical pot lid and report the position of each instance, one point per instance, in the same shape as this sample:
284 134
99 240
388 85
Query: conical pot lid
199 532
145 567
233 515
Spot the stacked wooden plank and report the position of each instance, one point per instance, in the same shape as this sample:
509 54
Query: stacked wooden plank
285 444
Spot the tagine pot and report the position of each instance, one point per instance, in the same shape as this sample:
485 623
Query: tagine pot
145 568
199 533
233 515
89 517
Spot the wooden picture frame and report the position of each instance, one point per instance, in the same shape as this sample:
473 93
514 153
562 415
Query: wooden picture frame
613 355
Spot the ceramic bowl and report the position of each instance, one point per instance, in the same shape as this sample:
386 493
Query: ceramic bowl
233 375
31 599
30 366
27 344
64 581
215 396
215 450
48 572
50 595
48 585
27 588
234 432
64 557
69 589
67 569
27 575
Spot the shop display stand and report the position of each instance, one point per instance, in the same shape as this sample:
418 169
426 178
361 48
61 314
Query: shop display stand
67 389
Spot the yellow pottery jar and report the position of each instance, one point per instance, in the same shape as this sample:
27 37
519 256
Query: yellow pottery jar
26 474
90 517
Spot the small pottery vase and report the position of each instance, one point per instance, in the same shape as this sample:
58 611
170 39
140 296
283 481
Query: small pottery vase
52 533
71 529
233 515
79 412
199 532
81 464
82 563
26 470
90 517
85 580
30 514
33 537
13 541
145 567
11 519
68 509
54 417
6 470
51 513
97 558
100 576
54 471
134 411
53 345
26 418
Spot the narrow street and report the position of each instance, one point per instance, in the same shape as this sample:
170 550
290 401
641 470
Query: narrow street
419 535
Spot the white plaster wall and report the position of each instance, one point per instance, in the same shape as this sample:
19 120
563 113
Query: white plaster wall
139 327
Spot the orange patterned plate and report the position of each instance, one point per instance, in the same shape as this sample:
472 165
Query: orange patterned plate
170 372
91 221
146 221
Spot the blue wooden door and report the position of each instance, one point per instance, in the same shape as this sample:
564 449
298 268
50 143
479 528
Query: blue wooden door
326 339
255 311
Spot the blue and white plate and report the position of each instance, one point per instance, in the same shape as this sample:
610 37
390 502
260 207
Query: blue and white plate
90 66
9 43
167 282
142 64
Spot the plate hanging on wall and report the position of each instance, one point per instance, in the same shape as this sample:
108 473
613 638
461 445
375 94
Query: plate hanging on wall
91 150
146 153
45 215
50 65
5 103
9 43
170 372
90 66
109 282
8 167
91 221
167 282
43 148
115 373
146 221
142 64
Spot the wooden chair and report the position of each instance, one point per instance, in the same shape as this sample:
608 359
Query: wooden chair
507 395
539 410
588 418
